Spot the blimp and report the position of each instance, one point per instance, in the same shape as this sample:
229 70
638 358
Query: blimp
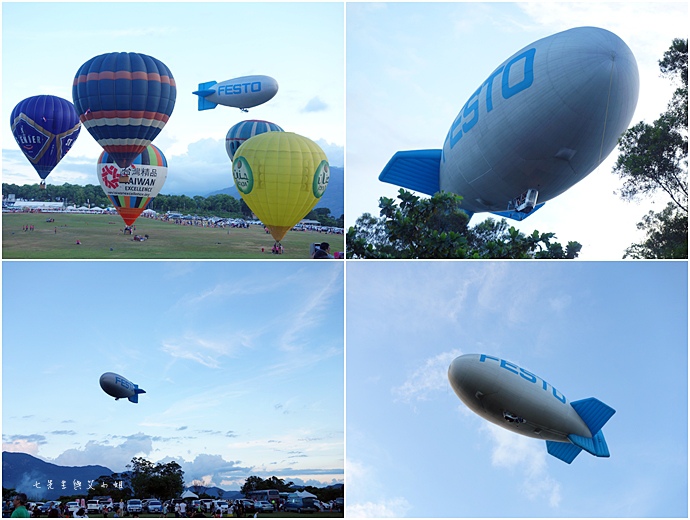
541 122
520 401
118 387
243 93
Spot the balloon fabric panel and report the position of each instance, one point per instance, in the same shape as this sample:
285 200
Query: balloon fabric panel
124 100
45 128
283 166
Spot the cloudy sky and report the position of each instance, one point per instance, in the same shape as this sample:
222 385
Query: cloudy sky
301 45
242 364
615 331
412 66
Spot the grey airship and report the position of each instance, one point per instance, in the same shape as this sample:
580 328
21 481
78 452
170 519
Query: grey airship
118 387
520 401
541 122
243 93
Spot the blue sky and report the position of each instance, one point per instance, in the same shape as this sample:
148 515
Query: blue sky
614 331
242 364
412 66
301 45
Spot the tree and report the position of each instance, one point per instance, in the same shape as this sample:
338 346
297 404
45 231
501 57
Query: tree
162 480
254 483
438 228
654 158
667 233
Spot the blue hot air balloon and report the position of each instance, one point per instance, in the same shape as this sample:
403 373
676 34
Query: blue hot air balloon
45 128
243 130
124 100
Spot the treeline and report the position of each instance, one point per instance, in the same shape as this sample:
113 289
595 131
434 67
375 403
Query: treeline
215 205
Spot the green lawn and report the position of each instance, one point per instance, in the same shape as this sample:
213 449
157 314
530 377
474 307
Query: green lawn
101 237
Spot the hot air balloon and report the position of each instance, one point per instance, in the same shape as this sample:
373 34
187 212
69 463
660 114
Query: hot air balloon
243 130
45 128
124 100
281 176
146 177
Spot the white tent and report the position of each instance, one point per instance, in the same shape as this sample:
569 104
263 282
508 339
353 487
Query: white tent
306 494
189 494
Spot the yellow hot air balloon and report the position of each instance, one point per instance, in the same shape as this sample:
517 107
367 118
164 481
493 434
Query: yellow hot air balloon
281 176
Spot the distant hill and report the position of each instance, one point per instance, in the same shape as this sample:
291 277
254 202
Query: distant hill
333 198
30 475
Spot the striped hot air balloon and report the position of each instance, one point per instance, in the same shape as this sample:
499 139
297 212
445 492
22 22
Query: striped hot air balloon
45 128
243 130
146 176
124 100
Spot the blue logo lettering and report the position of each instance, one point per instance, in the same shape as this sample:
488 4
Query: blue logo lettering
524 374
470 111
528 74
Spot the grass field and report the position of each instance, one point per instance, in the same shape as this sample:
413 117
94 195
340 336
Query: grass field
101 237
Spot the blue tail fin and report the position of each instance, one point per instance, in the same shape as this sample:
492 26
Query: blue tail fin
593 412
595 445
416 170
135 397
205 90
563 450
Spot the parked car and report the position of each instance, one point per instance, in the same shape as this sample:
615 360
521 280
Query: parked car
248 506
301 505
340 504
72 507
154 506
206 504
134 506
54 504
264 506
92 506
222 505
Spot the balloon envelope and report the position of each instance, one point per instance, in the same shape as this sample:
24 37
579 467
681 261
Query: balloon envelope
45 128
281 176
124 100
243 130
147 175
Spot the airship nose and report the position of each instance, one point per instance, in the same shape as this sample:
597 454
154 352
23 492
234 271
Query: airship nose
457 375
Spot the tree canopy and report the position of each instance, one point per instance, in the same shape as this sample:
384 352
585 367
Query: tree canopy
437 227
654 159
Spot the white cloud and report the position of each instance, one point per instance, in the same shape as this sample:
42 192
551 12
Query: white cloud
362 483
528 456
114 457
207 352
395 508
429 378
315 105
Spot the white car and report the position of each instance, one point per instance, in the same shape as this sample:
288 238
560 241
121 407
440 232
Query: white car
134 506
264 505
222 505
